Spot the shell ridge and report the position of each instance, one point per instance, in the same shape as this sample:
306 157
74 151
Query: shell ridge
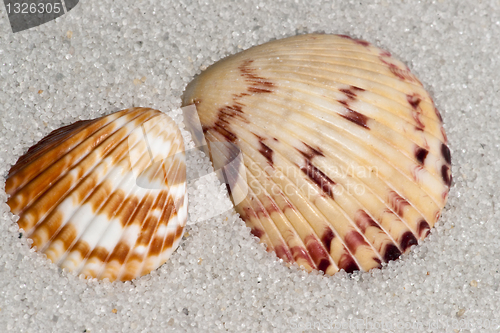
381 158
74 183
158 259
312 110
318 213
241 128
286 224
318 210
98 242
105 164
384 112
348 83
108 268
294 123
90 213
99 123
43 146
125 225
33 198
165 217
293 226
113 172
346 47
383 66
379 134
169 202
339 79
135 244
157 224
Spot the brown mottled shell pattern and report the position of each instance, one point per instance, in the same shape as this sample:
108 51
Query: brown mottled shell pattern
346 160
105 197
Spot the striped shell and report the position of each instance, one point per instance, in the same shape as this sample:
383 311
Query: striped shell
105 197
345 155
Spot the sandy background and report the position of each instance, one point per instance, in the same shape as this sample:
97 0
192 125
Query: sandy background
108 55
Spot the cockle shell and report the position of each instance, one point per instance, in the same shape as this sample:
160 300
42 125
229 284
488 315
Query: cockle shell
105 197
344 153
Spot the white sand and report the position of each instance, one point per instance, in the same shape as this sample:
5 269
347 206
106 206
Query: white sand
108 55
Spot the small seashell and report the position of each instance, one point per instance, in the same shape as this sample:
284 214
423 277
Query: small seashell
345 156
104 197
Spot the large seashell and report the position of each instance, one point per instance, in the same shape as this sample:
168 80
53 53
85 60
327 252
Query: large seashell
345 154
105 197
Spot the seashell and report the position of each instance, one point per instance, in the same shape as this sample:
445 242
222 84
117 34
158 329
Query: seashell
344 153
104 197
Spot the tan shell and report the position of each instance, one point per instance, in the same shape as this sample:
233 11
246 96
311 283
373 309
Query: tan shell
105 197
345 156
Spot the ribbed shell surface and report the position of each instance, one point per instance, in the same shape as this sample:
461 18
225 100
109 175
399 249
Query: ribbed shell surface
105 197
345 158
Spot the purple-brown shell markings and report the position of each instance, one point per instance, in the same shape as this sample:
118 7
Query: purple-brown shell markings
266 152
300 254
438 114
351 115
222 124
354 240
357 41
421 154
256 85
397 203
318 177
257 232
348 264
423 229
446 174
443 133
356 117
408 240
391 252
283 252
414 100
310 152
363 221
351 92
402 72
327 238
446 153
385 53
324 121
416 172
317 252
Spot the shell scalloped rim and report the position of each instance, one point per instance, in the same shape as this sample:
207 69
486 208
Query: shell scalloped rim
346 159
104 197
